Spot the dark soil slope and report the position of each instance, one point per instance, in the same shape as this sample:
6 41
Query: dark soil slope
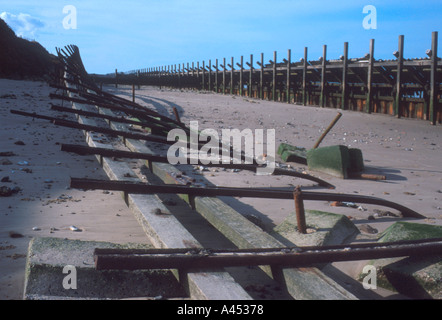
22 59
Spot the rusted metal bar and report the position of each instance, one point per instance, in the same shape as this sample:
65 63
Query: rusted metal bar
300 212
76 125
33 115
140 188
124 134
366 176
136 113
120 259
103 116
177 116
155 158
331 125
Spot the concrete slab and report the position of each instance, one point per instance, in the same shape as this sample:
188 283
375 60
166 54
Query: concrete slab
323 228
47 279
415 277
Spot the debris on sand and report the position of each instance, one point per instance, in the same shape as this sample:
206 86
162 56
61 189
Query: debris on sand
7 192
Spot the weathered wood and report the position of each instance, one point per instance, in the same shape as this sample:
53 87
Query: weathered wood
344 104
261 78
274 76
289 62
250 85
368 102
224 75
304 78
400 63
433 79
323 77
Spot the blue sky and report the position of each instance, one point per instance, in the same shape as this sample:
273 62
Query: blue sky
138 34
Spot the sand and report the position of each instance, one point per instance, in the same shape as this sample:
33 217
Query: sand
45 206
407 151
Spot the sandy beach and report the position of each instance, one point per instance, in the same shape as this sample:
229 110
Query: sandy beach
408 152
45 206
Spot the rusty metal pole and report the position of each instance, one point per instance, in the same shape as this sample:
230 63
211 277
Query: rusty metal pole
332 124
300 212
177 116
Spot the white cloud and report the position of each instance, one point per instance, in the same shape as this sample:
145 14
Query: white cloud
24 25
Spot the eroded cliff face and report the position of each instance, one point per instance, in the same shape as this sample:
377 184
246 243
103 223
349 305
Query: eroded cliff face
23 59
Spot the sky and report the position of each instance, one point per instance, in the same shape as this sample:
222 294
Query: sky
128 35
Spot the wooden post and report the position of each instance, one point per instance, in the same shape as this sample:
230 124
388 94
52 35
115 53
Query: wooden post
274 77
289 61
138 79
224 75
231 76
179 76
116 78
198 75
210 75
433 83
323 80
261 78
216 76
368 102
203 75
133 92
344 78
304 79
241 72
251 77
400 57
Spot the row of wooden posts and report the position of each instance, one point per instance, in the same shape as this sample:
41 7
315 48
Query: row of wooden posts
401 87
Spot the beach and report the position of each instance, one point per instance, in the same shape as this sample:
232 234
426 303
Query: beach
407 151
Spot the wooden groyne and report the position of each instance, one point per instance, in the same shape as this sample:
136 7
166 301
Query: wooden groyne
400 87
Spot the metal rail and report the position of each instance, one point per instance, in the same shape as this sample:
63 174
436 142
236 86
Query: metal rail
121 259
155 158
140 188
